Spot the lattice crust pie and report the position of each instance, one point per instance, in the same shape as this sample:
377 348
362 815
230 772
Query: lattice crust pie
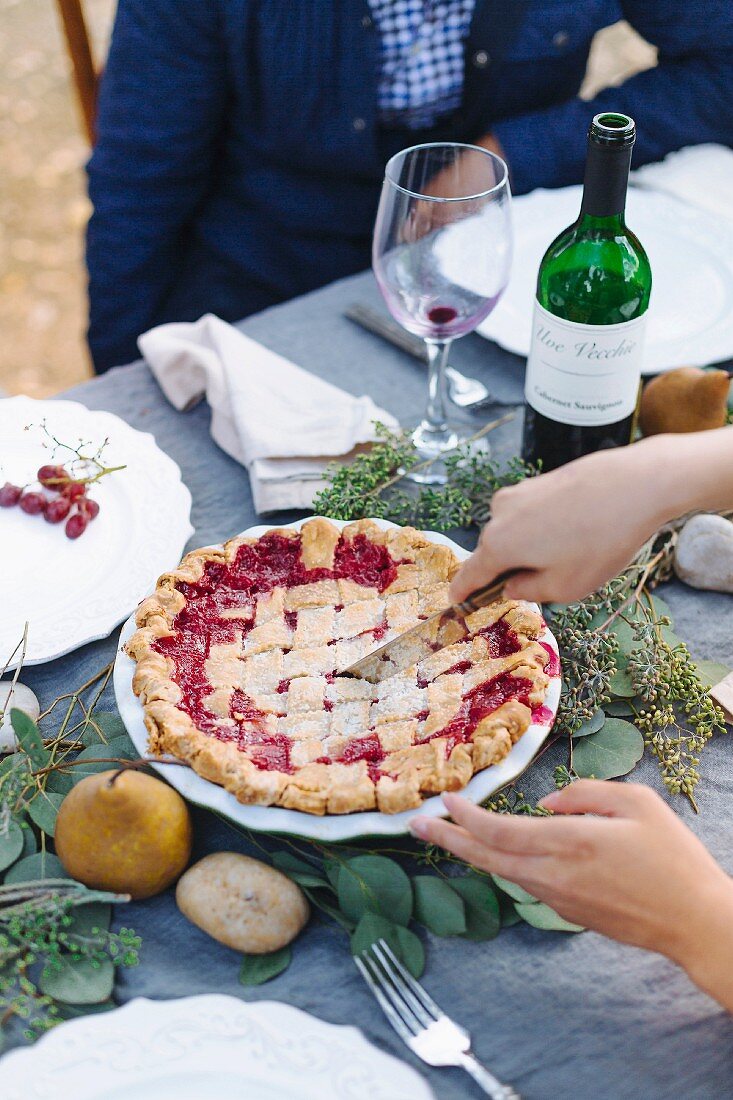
238 653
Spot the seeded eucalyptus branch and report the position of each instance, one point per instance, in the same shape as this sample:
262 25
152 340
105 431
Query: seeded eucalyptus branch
621 660
56 947
372 485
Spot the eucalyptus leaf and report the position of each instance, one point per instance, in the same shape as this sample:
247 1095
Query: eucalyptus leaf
405 944
332 867
317 901
299 871
374 884
623 632
592 725
58 782
618 708
542 916
620 684
40 865
409 950
44 809
89 923
438 906
96 758
15 762
711 672
507 912
29 738
483 917
110 724
615 750
518 893
11 844
78 981
371 927
72 1012
258 969
30 844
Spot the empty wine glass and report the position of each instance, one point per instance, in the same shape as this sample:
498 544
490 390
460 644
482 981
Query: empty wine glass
441 256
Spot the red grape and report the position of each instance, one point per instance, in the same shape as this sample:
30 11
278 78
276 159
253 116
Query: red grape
76 525
53 477
89 508
57 510
9 495
74 490
33 503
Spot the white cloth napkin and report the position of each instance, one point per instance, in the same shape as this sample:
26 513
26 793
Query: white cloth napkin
284 424
701 175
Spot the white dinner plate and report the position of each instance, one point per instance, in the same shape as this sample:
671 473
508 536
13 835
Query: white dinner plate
331 827
691 254
74 592
206 1048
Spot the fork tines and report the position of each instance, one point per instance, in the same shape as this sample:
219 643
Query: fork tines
403 1000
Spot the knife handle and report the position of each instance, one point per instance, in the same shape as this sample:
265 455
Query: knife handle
486 595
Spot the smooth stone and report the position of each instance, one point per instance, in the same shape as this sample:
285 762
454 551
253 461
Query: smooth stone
722 693
242 902
703 557
20 698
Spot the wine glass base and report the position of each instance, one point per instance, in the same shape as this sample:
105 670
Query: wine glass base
434 447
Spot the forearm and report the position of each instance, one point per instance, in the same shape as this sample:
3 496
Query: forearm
690 472
705 949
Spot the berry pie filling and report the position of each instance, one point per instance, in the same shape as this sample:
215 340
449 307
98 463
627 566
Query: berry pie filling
220 609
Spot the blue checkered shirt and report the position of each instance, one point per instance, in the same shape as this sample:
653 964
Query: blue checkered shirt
421 63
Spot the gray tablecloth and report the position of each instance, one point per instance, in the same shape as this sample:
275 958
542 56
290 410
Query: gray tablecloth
557 1015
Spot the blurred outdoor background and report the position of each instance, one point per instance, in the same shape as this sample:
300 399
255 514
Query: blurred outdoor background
43 205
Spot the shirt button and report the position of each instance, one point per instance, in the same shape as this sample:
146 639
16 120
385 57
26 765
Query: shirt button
359 124
560 39
481 59
366 22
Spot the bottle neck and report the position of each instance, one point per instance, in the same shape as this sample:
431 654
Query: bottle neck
614 223
605 184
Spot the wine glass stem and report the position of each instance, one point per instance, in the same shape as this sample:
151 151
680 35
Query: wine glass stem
435 421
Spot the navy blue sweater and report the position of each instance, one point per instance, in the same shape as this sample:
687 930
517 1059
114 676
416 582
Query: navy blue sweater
239 156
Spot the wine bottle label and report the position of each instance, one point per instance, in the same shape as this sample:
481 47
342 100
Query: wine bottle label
583 375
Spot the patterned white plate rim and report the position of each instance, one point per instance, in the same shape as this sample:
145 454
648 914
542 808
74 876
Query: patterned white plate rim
209 1047
76 592
331 827
691 254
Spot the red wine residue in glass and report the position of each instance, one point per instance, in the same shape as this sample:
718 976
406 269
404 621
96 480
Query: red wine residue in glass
442 315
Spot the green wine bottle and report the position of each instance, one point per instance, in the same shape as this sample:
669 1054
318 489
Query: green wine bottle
584 366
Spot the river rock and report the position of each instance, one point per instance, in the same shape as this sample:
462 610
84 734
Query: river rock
242 902
22 698
704 553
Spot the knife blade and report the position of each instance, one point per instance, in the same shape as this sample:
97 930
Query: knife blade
443 628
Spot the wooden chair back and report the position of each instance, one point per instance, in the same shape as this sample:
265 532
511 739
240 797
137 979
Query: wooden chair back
86 76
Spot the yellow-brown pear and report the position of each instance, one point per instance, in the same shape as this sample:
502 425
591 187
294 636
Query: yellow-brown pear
124 831
688 399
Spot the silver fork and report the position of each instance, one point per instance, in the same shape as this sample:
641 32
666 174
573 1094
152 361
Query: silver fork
419 1022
